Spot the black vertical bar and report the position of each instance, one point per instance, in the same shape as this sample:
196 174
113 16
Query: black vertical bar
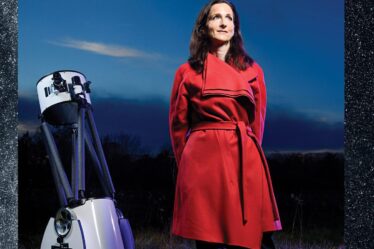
100 151
74 168
81 153
56 162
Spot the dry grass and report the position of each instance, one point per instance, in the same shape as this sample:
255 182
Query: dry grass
156 239
152 239
304 245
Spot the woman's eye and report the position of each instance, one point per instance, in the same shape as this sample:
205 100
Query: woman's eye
229 17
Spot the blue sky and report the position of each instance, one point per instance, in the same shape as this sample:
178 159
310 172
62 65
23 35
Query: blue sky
131 49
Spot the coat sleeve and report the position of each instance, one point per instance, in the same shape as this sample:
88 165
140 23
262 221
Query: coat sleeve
178 114
259 90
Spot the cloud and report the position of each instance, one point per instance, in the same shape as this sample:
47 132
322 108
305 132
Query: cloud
147 119
28 113
27 127
106 49
285 130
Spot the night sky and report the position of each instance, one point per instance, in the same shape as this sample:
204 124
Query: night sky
131 49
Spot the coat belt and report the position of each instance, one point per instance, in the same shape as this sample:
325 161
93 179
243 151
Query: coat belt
242 130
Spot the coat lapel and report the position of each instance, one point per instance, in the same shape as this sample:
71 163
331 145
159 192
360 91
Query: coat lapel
219 78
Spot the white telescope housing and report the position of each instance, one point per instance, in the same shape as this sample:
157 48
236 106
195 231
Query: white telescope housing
59 93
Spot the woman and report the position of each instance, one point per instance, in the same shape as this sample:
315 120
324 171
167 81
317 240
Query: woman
224 196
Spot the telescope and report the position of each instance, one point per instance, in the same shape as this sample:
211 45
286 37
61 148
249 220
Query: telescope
80 222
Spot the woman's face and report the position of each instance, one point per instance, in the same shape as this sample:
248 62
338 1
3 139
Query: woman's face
220 23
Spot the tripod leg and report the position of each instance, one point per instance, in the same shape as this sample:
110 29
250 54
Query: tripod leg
61 179
60 190
99 150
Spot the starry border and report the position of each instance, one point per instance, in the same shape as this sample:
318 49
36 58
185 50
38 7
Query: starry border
8 124
359 120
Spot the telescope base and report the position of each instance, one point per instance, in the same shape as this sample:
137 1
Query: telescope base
95 225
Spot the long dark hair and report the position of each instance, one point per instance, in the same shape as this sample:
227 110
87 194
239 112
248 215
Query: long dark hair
200 41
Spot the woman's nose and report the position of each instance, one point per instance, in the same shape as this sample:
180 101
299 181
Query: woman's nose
223 24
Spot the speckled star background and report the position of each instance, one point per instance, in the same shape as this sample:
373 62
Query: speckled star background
359 120
359 124
8 124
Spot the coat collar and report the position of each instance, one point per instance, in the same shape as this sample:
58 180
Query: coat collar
222 79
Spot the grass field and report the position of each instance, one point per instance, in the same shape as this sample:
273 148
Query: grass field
152 239
157 239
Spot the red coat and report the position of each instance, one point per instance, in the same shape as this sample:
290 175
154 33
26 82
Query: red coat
223 192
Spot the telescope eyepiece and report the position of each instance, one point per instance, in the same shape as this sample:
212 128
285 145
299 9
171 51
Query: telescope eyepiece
57 79
59 83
